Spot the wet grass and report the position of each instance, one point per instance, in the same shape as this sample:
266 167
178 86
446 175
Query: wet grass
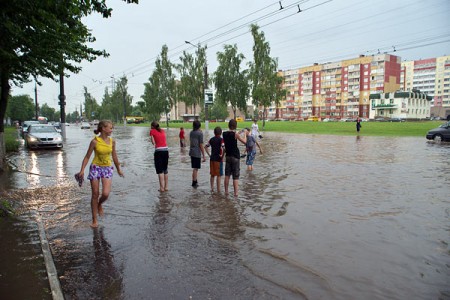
11 142
418 128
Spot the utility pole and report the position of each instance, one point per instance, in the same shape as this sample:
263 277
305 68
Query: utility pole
62 104
124 107
36 108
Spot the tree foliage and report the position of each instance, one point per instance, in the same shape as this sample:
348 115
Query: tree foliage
43 39
265 82
231 82
91 108
117 105
160 91
49 112
21 108
192 77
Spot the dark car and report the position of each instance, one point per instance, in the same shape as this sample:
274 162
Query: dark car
396 120
442 133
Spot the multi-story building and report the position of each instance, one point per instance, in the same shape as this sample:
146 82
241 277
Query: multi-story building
338 89
432 77
402 105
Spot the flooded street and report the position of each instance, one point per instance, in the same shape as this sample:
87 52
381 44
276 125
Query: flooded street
320 217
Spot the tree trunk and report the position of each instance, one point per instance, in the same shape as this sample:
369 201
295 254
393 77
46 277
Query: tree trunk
5 88
264 116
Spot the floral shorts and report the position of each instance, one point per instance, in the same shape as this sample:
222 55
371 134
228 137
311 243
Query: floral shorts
97 172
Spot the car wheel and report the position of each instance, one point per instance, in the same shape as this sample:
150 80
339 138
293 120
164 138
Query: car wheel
437 138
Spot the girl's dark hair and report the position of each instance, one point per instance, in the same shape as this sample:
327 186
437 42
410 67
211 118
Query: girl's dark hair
101 125
196 125
155 125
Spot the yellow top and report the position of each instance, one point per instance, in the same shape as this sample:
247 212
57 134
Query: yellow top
102 152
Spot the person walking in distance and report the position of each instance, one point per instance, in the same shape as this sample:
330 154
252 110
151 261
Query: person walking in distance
358 124
101 169
232 158
196 151
182 138
161 156
216 157
255 129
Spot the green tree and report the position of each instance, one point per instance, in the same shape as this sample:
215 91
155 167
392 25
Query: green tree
160 91
48 112
154 107
166 82
41 39
231 82
265 82
21 108
219 111
117 105
91 107
192 72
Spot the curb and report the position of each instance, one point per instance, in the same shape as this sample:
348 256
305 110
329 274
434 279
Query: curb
49 264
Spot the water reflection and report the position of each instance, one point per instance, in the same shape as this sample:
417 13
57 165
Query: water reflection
161 235
33 174
109 280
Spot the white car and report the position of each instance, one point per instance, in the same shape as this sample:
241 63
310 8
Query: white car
43 136
85 125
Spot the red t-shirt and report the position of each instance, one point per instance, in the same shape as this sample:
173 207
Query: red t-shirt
182 134
159 137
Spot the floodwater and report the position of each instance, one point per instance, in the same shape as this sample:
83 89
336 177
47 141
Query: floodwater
319 217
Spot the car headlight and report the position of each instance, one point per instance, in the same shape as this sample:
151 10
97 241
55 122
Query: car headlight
57 139
32 138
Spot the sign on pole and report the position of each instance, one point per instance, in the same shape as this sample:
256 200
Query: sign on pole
209 96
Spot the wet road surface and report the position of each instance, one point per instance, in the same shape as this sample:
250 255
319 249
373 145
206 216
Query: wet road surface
320 217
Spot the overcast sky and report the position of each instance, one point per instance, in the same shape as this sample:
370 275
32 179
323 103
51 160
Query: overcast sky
324 31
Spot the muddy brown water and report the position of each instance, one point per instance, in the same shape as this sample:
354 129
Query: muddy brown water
320 217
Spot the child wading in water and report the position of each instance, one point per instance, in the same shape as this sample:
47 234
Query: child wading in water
250 148
101 169
196 151
215 162
232 167
161 156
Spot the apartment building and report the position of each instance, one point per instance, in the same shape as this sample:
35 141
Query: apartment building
432 77
337 89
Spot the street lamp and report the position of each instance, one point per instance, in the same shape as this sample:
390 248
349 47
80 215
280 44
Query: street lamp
205 84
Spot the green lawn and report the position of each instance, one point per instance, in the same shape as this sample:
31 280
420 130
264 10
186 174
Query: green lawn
334 128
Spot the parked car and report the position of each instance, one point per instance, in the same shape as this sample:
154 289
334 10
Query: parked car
85 125
396 120
25 126
442 133
43 136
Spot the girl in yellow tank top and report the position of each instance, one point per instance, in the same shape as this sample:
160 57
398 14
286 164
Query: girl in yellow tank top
101 169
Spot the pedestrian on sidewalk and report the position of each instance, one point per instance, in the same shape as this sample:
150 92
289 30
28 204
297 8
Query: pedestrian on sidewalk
216 157
161 155
196 151
358 124
101 169
232 158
